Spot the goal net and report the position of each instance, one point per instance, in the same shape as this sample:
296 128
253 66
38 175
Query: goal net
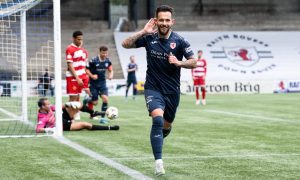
27 63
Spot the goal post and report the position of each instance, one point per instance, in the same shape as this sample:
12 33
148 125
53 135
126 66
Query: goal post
58 70
30 64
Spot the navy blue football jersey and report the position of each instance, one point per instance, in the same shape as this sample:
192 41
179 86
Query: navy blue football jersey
98 67
161 75
131 74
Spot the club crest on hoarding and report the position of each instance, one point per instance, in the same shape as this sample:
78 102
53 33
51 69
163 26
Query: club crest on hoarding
243 56
241 53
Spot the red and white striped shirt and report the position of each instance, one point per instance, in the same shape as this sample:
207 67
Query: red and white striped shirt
78 56
200 70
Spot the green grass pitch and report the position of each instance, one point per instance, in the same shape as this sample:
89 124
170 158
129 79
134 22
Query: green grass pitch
233 137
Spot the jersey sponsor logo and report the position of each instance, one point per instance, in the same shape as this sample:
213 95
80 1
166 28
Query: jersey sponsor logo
159 55
79 53
200 63
173 45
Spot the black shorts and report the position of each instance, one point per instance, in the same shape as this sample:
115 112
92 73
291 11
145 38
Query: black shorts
167 102
66 124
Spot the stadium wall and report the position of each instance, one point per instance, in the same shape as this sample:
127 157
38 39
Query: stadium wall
115 88
14 88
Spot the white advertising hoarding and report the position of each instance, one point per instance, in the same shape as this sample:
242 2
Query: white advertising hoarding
33 90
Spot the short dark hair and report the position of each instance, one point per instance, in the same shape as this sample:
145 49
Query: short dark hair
200 51
41 102
164 8
103 48
77 33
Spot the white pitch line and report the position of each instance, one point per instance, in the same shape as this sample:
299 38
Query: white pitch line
250 116
235 114
124 169
9 120
211 156
24 136
15 117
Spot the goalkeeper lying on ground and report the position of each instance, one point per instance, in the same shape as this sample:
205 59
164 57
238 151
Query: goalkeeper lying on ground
46 118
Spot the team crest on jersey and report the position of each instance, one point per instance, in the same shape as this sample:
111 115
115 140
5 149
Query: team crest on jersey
106 64
74 88
172 45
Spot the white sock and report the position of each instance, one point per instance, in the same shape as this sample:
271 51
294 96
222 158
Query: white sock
158 161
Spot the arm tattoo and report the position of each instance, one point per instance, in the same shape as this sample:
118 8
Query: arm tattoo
189 63
130 41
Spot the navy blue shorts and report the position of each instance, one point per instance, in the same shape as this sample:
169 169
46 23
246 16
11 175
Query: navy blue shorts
98 91
131 81
167 102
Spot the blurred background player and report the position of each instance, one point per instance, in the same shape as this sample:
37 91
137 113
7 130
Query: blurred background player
76 77
96 69
131 77
165 51
46 118
45 83
199 74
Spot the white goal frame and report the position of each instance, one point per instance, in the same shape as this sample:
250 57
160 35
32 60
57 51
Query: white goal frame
22 7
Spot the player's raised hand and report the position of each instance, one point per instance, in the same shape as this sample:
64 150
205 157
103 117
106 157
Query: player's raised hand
150 27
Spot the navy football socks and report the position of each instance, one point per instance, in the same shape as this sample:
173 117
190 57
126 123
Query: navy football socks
156 136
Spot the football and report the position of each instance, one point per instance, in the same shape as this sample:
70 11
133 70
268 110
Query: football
112 113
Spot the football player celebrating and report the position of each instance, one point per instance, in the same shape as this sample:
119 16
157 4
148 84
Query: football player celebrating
165 51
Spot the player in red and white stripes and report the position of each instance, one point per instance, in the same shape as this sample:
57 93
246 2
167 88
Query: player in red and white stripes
76 77
199 74
76 57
